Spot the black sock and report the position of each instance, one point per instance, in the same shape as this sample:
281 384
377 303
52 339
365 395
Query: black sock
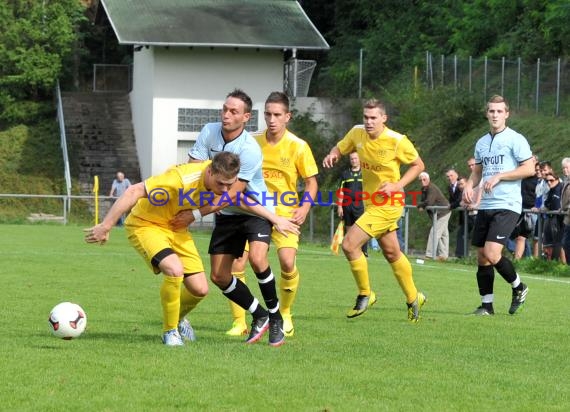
239 293
506 269
266 281
485 279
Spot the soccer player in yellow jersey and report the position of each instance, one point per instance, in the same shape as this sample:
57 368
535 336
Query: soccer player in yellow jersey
154 203
381 153
286 159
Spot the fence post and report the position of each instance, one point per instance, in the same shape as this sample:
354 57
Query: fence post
332 224
470 72
558 89
427 68
433 235
465 233
406 229
442 68
519 84
360 75
537 83
485 81
503 76
455 71
311 227
431 71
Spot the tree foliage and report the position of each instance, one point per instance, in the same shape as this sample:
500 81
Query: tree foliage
395 34
36 39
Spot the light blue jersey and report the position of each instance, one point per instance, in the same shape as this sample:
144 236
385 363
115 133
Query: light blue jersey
210 142
502 153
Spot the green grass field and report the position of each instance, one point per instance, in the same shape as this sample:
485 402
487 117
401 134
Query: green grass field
447 362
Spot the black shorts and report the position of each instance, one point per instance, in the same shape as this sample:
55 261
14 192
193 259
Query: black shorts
524 226
350 214
232 231
495 225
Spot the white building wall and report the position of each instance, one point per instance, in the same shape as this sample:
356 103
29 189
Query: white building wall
194 78
142 107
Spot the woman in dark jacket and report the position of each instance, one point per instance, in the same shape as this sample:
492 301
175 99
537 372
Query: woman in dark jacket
553 225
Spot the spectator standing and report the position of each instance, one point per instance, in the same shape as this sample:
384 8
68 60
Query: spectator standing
453 190
439 232
539 192
120 186
350 185
565 207
525 226
553 223
462 237
471 208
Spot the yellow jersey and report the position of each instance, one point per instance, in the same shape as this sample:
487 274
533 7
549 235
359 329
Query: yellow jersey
380 158
179 188
283 164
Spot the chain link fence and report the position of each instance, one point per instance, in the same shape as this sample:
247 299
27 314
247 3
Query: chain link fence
543 86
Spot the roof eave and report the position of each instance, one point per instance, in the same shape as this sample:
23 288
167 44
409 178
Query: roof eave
225 45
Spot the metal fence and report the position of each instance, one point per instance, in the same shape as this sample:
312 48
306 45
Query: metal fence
312 229
543 86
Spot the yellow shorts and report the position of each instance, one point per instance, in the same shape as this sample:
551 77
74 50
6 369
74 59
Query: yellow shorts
376 221
149 240
281 241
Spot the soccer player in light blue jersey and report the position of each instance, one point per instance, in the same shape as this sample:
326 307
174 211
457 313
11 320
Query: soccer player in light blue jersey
502 158
234 227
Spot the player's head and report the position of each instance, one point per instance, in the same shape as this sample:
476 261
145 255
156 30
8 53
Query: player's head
424 178
552 180
236 112
374 117
276 113
497 113
278 97
243 96
222 172
566 166
461 183
452 176
545 167
354 161
498 99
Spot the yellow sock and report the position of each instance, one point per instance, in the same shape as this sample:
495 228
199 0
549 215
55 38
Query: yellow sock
170 301
359 268
288 290
403 273
238 313
187 301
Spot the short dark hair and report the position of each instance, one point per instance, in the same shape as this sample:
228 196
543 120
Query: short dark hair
241 95
375 103
278 97
225 164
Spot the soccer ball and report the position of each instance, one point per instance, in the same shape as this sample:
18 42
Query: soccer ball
67 320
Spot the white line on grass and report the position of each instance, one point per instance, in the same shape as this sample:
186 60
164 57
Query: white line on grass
543 278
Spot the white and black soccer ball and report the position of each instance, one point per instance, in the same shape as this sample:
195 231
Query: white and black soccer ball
67 320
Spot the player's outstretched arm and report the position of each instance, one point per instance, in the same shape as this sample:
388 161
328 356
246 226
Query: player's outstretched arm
185 217
281 224
333 157
469 195
311 188
100 232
